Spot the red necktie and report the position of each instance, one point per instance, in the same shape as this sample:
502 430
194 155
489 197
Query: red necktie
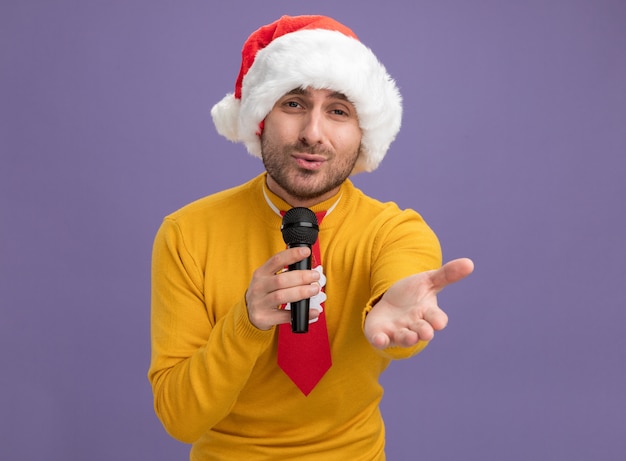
305 357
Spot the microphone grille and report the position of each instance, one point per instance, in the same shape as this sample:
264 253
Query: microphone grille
299 226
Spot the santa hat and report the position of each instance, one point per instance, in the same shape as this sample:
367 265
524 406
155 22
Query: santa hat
317 52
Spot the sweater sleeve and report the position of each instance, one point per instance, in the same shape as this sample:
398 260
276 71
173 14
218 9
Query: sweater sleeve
405 245
198 365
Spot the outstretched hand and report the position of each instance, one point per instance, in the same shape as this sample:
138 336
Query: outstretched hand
408 311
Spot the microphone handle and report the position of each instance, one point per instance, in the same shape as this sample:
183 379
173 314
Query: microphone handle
300 309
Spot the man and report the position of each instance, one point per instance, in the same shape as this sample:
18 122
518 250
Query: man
228 374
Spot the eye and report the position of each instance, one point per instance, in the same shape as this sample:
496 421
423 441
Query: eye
293 104
340 111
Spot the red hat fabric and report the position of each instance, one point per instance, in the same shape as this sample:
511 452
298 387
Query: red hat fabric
287 24
316 52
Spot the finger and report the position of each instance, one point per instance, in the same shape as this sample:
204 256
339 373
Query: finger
279 316
314 312
299 278
436 318
380 340
289 294
406 337
284 258
264 319
422 330
314 315
451 272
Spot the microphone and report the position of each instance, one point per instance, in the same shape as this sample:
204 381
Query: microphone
299 229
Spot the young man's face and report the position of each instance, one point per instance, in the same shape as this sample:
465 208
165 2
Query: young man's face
310 143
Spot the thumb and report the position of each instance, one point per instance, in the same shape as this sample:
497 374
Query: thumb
451 272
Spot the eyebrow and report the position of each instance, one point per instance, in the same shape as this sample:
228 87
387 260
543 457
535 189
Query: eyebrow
305 92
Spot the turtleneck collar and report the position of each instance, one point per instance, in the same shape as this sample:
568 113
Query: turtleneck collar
277 204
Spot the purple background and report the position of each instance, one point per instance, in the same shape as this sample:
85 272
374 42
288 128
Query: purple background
513 148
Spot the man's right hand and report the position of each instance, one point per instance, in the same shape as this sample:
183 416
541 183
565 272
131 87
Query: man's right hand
272 287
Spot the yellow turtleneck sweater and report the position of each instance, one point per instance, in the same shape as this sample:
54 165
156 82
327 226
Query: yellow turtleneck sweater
214 375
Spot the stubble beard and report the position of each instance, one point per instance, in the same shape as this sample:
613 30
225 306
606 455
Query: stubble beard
300 183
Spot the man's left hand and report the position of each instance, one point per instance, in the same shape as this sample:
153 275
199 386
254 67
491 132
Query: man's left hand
408 312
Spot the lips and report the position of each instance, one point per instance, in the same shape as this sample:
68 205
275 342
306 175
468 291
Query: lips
309 161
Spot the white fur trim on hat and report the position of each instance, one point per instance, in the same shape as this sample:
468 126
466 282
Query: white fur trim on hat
320 59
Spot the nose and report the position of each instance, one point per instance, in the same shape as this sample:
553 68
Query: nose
312 131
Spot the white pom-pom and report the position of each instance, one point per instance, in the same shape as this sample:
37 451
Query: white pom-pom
225 116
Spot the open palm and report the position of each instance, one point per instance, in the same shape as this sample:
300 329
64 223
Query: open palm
408 312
